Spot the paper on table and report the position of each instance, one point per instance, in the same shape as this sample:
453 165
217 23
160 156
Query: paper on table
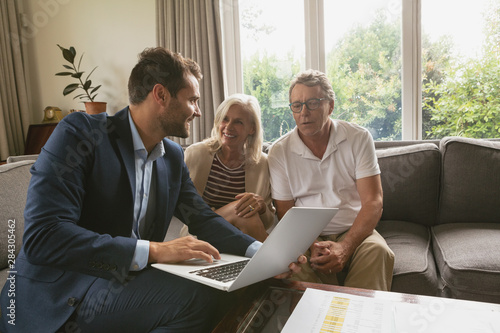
440 315
320 311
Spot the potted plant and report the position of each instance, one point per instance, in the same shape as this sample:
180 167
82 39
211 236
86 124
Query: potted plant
89 92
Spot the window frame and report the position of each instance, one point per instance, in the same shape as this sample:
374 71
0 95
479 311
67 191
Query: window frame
411 90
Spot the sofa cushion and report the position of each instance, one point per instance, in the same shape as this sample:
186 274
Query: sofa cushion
467 259
410 181
14 180
470 181
414 266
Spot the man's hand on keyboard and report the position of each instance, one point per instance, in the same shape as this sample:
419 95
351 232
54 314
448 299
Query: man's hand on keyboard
294 268
180 249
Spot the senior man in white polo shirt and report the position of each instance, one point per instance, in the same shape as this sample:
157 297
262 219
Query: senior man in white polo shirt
332 163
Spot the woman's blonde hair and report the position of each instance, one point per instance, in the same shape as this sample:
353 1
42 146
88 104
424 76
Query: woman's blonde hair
253 146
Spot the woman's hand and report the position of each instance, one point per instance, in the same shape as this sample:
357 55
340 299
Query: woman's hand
247 221
249 204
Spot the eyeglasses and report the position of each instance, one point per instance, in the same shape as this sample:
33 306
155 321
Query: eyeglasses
311 104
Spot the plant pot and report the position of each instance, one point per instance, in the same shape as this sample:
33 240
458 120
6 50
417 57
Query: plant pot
95 107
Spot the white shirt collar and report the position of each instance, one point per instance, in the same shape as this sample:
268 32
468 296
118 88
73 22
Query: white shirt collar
337 135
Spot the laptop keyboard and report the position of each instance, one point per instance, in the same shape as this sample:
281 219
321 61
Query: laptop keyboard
223 273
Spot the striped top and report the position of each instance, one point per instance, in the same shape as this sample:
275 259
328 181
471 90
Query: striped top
223 184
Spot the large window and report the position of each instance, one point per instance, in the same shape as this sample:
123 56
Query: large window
461 68
404 69
273 51
363 63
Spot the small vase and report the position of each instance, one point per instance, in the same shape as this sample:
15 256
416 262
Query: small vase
95 107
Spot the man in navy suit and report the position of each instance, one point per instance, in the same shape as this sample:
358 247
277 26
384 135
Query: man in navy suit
100 200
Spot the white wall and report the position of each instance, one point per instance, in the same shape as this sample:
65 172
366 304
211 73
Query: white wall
111 33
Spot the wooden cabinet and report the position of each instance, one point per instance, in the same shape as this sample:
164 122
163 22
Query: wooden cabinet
38 134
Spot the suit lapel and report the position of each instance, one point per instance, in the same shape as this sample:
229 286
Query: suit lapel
157 205
119 124
162 188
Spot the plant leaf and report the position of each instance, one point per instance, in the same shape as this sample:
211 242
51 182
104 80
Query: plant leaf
60 47
68 67
70 88
68 55
87 84
64 74
80 61
92 71
77 75
95 89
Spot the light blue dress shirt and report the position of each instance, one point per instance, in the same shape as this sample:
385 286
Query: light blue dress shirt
143 172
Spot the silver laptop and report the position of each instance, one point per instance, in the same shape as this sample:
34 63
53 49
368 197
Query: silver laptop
291 237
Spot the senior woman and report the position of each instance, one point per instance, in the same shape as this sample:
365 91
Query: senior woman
230 170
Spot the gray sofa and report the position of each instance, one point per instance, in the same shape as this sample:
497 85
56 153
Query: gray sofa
441 215
14 179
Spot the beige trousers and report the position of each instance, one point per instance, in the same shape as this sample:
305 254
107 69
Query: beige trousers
370 267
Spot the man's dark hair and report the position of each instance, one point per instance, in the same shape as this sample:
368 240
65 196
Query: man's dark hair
159 65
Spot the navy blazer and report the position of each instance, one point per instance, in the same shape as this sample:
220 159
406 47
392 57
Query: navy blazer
79 216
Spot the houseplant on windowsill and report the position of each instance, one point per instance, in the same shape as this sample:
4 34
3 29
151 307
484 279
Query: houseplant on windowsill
89 92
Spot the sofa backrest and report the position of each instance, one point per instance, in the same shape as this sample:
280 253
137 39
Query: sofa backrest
470 183
18 158
410 181
401 143
14 180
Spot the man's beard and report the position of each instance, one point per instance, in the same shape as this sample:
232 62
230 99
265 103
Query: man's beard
172 123
175 129
182 132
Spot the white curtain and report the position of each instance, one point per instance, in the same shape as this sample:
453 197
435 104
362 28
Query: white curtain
14 109
193 28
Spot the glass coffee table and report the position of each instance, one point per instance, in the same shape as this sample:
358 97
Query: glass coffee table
266 306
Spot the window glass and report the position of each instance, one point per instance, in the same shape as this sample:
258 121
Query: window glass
363 61
460 50
273 51
460 68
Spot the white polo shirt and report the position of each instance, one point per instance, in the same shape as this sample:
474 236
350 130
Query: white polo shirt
296 174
